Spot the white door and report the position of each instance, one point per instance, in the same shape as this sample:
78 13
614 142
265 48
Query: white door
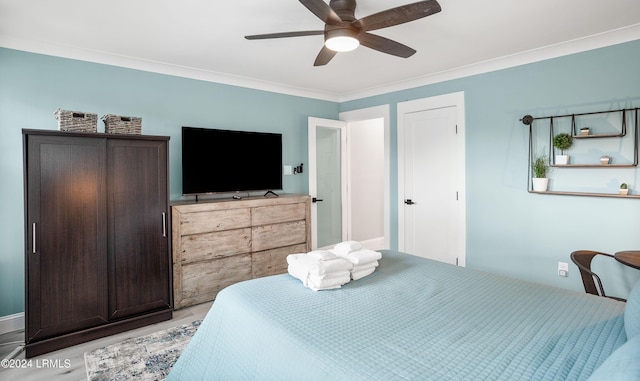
431 182
327 181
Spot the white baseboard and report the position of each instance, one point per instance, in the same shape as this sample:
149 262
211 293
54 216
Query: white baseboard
11 323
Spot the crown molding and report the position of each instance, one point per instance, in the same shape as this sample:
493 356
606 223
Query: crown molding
100 57
601 40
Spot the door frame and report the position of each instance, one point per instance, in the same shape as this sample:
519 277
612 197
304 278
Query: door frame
313 123
376 112
426 104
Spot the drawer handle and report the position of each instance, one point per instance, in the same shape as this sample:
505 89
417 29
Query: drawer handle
164 224
33 238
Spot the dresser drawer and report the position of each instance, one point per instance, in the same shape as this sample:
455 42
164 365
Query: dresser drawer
274 261
214 245
274 214
201 281
214 220
277 235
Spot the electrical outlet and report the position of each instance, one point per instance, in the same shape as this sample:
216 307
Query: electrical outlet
563 269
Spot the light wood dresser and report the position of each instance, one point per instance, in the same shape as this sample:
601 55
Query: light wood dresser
220 242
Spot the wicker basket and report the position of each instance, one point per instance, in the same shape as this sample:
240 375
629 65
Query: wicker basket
76 121
116 124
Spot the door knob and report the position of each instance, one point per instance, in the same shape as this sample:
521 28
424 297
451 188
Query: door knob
316 199
409 202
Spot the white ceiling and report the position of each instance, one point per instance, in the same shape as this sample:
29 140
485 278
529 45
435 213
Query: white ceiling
205 39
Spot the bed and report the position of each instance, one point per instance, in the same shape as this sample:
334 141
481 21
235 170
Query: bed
412 319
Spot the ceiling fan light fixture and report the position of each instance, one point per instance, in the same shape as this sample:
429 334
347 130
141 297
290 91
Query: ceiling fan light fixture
343 32
342 40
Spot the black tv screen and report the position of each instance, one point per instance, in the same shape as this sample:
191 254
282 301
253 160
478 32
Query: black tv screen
218 161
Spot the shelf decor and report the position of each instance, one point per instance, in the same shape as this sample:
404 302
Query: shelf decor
624 190
540 168
562 142
583 133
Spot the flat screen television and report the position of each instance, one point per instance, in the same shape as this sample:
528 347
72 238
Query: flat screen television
221 161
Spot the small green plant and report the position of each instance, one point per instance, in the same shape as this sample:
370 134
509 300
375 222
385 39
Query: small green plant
562 142
623 186
540 166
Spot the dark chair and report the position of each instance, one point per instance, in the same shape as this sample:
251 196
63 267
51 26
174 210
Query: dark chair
591 281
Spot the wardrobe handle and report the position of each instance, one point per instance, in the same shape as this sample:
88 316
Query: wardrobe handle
164 224
33 238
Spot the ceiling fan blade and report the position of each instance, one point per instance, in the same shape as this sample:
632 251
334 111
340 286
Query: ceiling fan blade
285 34
399 15
385 45
323 11
324 56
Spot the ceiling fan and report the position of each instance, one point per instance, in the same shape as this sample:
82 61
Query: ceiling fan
343 32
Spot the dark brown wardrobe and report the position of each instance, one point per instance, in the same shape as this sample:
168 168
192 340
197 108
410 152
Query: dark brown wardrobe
96 236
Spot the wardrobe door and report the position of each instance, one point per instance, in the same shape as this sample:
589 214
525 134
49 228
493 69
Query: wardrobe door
138 248
66 287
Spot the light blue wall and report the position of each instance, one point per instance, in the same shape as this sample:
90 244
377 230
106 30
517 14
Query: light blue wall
33 86
510 231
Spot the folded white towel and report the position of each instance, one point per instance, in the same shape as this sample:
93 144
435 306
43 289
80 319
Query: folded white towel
359 274
322 254
328 283
328 277
294 258
365 266
362 256
298 273
320 282
344 248
313 265
333 265
320 270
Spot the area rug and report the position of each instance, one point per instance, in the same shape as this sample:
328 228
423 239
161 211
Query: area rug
141 358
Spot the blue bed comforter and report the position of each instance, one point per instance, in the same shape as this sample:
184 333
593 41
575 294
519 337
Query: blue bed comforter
412 319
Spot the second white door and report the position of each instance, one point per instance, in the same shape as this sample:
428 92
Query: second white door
430 164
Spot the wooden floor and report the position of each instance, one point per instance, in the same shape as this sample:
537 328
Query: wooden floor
76 370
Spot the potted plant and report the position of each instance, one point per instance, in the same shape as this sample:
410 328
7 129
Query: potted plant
540 167
562 142
584 131
604 159
624 190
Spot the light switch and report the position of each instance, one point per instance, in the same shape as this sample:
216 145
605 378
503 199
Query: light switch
288 170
